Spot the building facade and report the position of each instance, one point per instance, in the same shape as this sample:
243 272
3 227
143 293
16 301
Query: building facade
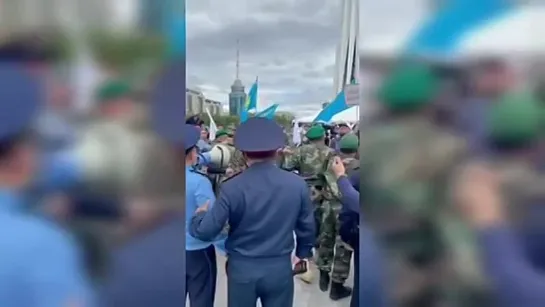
197 103
237 98
215 107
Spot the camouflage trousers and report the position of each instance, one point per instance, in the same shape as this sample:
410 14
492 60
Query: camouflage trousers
334 255
318 204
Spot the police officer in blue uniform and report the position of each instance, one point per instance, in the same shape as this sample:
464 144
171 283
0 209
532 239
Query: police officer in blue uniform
264 206
201 267
39 262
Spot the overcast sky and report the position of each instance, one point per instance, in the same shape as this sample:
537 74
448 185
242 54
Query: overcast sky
289 44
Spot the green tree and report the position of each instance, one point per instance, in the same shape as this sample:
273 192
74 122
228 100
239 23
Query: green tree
221 120
284 119
122 52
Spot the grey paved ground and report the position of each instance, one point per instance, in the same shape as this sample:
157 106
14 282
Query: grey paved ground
305 295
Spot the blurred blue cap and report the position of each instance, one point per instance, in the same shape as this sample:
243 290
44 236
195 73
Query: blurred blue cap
259 134
191 136
21 95
167 110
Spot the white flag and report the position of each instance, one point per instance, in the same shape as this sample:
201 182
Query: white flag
86 77
296 138
213 128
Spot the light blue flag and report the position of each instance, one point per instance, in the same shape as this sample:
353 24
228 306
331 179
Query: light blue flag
336 106
175 27
268 112
444 31
250 103
251 100
243 114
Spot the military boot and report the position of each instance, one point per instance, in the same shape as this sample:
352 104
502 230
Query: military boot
324 281
339 291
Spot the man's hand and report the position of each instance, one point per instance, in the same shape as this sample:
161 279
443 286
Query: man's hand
300 266
286 151
203 208
478 196
338 167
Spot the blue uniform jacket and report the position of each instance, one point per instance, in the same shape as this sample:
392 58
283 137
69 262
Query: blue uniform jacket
198 191
149 271
264 206
516 281
40 264
371 281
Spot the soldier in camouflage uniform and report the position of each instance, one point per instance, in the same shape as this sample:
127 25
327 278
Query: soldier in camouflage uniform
222 137
334 255
515 174
117 123
407 165
225 137
237 163
516 124
311 161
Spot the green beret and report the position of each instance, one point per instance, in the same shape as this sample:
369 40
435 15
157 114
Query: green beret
408 88
222 132
515 119
315 132
349 142
113 90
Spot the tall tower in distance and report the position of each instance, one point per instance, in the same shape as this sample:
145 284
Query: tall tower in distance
347 64
237 96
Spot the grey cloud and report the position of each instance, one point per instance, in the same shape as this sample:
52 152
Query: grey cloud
259 41
289 44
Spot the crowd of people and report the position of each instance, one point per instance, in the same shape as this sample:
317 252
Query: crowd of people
450 212
264 163
79 219
449 215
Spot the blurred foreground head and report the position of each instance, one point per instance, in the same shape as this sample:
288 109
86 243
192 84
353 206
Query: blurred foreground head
114 99
492 77
516 121
408 88
22 95
35 50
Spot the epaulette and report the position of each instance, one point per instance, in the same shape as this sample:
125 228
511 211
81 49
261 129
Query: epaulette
231 177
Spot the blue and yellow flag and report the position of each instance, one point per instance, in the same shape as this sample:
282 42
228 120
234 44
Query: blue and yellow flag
336 106
250 103
251 100
268 112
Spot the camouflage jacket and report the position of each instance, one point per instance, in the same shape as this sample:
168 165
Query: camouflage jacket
312 162
350 164
407 166
237 164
